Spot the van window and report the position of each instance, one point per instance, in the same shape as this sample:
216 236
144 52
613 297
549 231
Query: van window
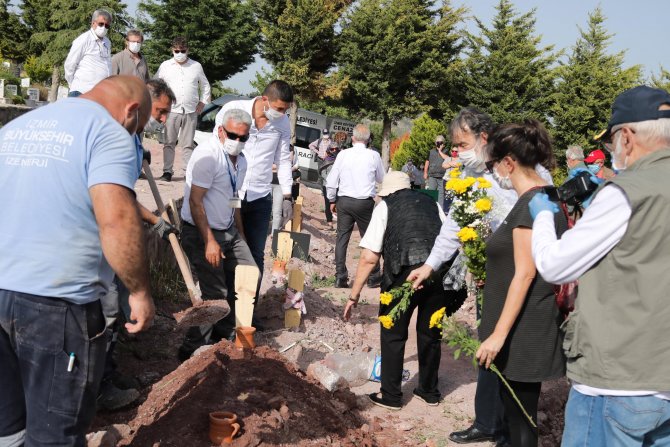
305 135
207 117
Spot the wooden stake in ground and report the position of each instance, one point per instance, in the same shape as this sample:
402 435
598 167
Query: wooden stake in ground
297 215
296 281
284 246
246 282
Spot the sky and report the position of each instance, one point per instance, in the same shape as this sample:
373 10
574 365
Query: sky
639 27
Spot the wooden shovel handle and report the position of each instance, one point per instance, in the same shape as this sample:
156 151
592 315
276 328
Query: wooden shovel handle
184 267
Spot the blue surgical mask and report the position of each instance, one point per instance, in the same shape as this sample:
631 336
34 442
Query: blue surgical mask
594 168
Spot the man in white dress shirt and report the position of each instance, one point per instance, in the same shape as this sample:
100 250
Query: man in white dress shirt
90 58
269 143
616 340
351 189
184 76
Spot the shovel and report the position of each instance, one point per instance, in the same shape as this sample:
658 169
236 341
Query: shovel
202 312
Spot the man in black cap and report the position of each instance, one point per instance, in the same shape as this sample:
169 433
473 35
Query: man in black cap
616 339
323 149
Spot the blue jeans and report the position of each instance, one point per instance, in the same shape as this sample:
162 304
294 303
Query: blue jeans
256 216
55 404
73 94
613 421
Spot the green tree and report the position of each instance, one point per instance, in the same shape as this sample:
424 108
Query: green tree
397 55
509 75
222 34
662 80
420 141
55 24
13 34
37 69
588 84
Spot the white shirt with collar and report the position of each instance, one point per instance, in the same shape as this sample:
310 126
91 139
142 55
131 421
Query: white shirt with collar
211 168
183 79
88 62
265 147
354 173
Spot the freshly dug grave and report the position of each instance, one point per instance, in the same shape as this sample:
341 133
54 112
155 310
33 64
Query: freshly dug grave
275 403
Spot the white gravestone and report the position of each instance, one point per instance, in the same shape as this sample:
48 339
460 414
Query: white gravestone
12 90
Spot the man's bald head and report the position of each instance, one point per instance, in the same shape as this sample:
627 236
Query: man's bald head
126 98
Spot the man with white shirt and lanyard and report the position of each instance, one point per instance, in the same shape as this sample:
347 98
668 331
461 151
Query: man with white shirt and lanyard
184 76
213 235
269 143
616 340
351 189
90 58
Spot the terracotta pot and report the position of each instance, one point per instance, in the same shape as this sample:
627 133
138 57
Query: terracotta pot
279 266
222 427
245 337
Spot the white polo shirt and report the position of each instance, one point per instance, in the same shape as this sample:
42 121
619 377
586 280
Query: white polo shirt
211 168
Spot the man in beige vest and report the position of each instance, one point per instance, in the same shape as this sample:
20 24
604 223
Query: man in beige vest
616 340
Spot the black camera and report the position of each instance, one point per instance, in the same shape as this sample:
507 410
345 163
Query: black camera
574 191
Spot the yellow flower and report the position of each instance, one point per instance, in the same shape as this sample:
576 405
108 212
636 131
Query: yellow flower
483 183
385 298
386 321
483 205
467 234
436 318
469 181
455 173
457 185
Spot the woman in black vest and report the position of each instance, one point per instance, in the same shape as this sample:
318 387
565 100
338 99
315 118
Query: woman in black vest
520 320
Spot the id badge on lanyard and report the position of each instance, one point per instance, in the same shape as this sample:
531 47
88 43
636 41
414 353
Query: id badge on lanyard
235 202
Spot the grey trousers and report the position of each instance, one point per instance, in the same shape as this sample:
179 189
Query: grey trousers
435 183
178 126
215 283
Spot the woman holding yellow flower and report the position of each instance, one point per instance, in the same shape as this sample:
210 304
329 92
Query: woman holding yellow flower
520 320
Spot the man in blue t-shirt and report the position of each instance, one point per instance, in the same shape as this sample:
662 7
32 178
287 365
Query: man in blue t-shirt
67 173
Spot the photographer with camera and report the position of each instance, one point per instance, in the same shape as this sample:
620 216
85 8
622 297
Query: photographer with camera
616 344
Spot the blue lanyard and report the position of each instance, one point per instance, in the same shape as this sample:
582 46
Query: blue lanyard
233 180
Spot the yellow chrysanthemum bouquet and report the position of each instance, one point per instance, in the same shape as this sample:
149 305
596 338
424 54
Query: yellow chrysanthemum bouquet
398 295
469 209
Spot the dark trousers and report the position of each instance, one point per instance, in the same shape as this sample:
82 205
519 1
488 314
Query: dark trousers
522 434
215 283
38 393
428 300
489 411
326 204
350 211
73 94
255 218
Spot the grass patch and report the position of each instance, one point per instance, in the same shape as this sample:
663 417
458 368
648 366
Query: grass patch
319 282
166 282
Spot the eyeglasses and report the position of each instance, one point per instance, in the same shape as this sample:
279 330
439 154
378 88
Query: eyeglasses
490 164
234 136
106 25
179 51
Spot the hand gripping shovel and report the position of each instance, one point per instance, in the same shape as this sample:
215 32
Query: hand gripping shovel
202 312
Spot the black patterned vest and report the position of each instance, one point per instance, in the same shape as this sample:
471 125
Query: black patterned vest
413 224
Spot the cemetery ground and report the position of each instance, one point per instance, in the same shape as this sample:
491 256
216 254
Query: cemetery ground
277 402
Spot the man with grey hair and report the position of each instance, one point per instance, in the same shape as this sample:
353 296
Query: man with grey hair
350 188
616 344
130 61
213 235
90 58
574 157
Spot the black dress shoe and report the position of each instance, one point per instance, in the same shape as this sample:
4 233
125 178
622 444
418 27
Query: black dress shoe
166 177
341 283
470 435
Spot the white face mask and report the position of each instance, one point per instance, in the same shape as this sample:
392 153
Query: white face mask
473 158
134 47
233 147
180 57
271 113
504 182
616 156
100 31
153 126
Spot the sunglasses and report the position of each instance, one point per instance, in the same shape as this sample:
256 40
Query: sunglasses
106 25
234 136
439 143
180 51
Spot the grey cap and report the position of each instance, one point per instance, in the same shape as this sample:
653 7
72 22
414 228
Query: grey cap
440 138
